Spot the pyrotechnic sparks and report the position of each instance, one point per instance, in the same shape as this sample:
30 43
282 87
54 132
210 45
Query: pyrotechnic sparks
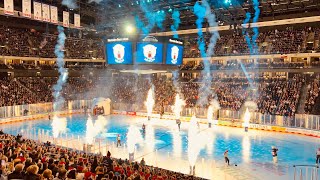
150 102
214 106
177 108
59 126
133 138
93 129
196 141
246 118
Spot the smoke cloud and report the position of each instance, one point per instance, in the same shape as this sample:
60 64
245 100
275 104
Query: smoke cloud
211 18
160 17
204 11
93 129
200 12
63 73
175 79
154 18
176 23
140 25
251 105
255 28
96 1
246 33
71 4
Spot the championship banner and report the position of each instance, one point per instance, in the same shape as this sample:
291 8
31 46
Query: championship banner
65 19
54 14
26 8
77 20
8 7
37 14
45 12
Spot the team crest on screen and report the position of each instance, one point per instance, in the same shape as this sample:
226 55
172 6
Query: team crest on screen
118 53
149 52
174 54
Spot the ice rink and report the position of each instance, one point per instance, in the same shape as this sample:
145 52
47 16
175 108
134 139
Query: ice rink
163 145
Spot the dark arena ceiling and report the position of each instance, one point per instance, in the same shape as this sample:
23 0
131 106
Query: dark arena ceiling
111 15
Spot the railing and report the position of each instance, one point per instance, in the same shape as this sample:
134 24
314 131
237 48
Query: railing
305 121
41 108
306 172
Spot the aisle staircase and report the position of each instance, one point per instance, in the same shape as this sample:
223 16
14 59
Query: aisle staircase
302 99
24 87
316 107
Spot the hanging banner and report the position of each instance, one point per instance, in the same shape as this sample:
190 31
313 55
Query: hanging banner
77 20
8 7
54 14
65 19
37 15
45 12
26 8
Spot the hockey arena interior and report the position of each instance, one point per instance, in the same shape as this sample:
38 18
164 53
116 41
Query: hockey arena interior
159 89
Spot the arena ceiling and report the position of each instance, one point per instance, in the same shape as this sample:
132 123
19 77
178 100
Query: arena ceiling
112 14
115 13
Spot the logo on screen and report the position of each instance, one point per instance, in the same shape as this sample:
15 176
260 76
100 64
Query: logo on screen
149 52
174 54
118 53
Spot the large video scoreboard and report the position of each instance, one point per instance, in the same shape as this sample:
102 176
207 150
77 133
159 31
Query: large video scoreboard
147 51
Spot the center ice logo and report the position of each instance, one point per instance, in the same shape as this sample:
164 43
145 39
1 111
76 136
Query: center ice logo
118 53
149 52
174 54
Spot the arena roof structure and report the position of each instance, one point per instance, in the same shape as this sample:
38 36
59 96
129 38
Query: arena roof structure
228 12
111 16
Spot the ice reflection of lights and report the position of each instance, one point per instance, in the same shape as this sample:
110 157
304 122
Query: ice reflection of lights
246 145
226 135
177 143
150 139
211 138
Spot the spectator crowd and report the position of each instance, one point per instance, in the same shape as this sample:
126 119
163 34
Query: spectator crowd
25 159
282 41
31 43
277 95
